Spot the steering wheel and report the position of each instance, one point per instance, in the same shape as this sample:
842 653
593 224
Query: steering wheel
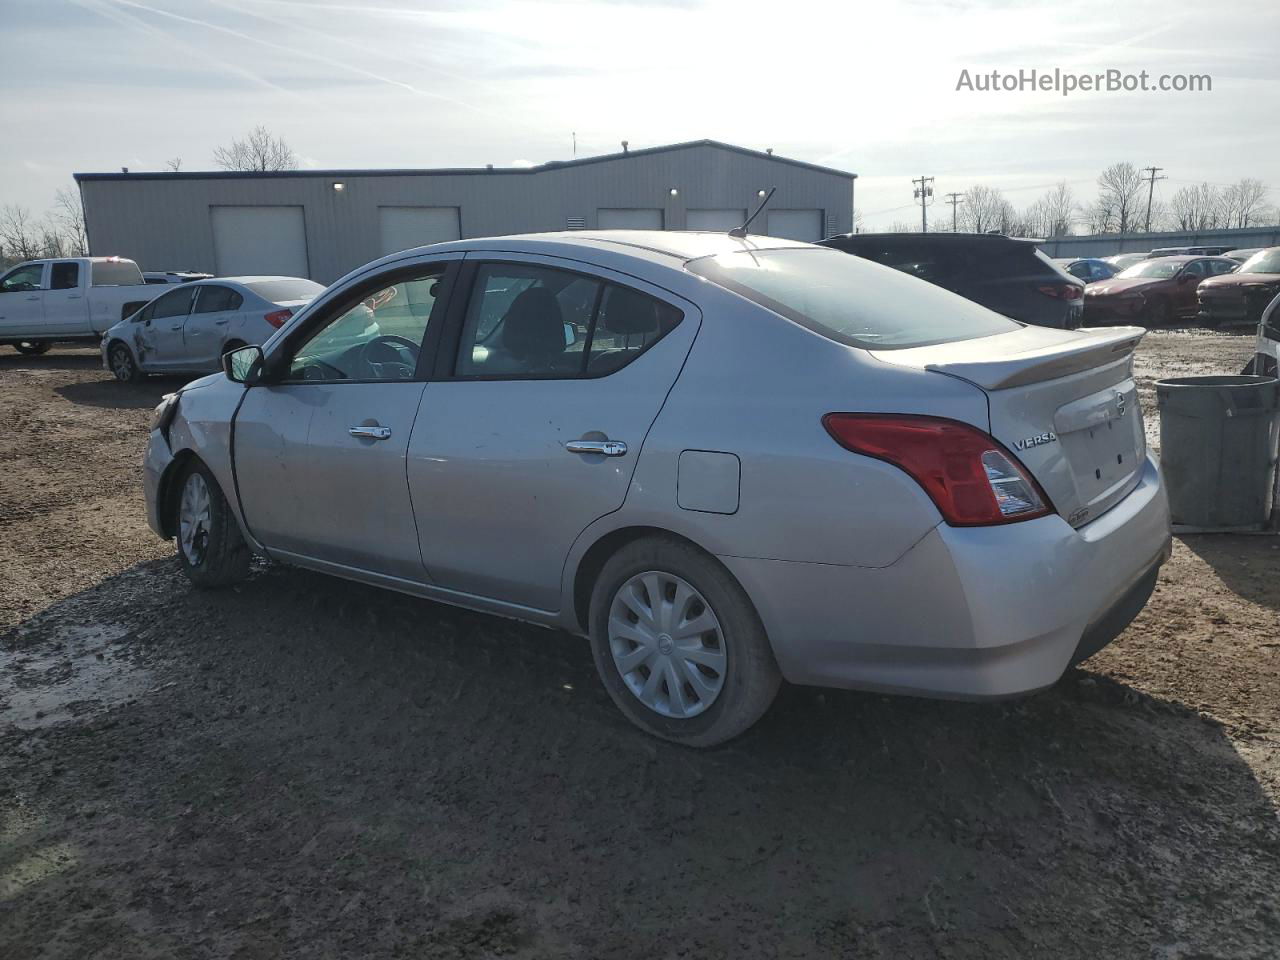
388 350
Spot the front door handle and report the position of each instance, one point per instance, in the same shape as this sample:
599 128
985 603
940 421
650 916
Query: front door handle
370 433
608 448
178 327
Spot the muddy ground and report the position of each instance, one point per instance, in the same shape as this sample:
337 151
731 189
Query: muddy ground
307 768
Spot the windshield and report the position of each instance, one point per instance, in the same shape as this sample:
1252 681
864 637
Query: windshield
849 299
1264 261
282 291
1157 269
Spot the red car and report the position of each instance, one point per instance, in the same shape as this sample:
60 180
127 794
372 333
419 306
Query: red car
1152 292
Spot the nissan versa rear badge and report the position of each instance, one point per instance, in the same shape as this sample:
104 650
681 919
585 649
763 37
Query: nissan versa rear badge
1035 441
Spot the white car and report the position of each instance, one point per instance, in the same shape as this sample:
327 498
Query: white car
67 300
188 329
1266 358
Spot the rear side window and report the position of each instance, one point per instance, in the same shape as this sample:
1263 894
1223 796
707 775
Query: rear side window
282 291
64 276
850 300
217 299
528 321
116 273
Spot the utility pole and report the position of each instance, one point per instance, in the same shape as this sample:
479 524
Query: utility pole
923 193
1151 179
953 199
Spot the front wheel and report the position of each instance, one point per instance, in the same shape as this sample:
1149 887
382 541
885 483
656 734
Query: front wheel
678 644
123 367
1159 313
32 348
212 549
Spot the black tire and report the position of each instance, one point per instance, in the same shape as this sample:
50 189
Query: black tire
751 678
123 366
218 555
32 349
1159 313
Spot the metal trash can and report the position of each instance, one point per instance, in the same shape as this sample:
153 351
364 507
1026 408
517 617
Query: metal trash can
1218 443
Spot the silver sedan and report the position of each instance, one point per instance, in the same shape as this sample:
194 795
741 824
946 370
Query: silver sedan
727 462
188 329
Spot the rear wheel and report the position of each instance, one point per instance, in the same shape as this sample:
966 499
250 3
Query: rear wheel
678 644
123 367
212 549
32 348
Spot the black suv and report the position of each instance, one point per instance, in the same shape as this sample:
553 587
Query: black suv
1007 275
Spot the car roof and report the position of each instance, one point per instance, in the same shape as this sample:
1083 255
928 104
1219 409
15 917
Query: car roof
992 238
1184 257
243 280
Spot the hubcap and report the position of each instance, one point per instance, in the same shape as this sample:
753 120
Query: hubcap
121 363
194 519
667 644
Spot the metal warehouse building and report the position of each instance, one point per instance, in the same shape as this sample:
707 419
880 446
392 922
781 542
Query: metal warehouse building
323 223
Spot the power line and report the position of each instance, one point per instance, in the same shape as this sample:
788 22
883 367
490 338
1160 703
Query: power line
953 199
923 193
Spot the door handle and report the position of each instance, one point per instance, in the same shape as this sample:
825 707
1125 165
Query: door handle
178 327
607 448
220 323
370 433
33 298
73 296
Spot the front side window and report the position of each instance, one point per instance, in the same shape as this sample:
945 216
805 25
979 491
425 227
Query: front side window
849 300
217 299
378 338
64 276
1195 268
177 303
24 279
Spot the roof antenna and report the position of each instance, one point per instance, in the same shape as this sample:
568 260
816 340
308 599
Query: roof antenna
741 231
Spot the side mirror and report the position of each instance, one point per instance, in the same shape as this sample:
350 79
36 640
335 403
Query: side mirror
244 365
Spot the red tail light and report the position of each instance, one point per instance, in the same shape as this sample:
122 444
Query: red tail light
277 318
1062 291
971 478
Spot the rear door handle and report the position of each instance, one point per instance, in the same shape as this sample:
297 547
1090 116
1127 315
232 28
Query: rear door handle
178 327
370 433
608 448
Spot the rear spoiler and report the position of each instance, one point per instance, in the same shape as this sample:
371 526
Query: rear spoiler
1024 356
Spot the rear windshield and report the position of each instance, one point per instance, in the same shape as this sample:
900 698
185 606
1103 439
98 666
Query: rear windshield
116 273
280 291
851 300
1265 261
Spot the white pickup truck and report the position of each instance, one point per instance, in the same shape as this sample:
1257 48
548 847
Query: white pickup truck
68 300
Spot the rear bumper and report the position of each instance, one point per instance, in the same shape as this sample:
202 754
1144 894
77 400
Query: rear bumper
978 612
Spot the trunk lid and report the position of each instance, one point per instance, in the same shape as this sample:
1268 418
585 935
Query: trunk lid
1063 401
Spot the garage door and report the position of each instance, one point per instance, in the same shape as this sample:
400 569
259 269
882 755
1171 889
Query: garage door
259 241
796 224
406 227
628 219
721 221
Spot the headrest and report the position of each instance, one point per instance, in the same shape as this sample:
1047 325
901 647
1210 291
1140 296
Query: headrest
533 328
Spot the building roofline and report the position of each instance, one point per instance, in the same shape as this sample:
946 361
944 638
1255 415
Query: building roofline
454 171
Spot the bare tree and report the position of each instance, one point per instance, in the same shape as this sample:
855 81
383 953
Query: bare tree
903 226
1240 204
1120 190
985 208
68 218
260 151
174 164
20 235
1195 208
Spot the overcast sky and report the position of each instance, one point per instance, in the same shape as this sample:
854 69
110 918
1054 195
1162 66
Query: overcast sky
90 85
